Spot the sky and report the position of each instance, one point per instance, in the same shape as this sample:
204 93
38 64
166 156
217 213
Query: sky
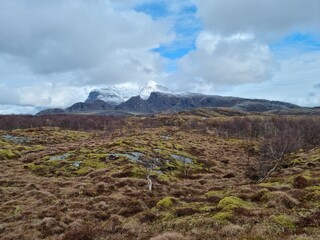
53 53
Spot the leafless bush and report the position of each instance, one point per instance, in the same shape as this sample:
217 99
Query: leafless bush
311 220
73 122
278 136
283 136
306 129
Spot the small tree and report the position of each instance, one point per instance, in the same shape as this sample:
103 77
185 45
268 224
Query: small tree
149 163
282 138
149 180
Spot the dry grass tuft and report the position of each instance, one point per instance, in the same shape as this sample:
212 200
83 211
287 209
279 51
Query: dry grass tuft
283 199
170 236
85 232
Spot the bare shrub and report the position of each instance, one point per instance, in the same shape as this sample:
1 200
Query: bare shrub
147 216
100 187
130 207
312 220
66 121
282 136
300 182
259 196
50 226
213 199
279 198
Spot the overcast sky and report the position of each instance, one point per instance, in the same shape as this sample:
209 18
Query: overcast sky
53 52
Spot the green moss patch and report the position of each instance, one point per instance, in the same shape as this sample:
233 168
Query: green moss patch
275 185
233 202
313 188
285 222
89 165
166 203
6 154
223 216
217 193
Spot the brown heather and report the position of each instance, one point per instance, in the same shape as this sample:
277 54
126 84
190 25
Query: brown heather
214 175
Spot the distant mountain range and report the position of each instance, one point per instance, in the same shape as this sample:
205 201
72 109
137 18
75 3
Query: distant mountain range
154 98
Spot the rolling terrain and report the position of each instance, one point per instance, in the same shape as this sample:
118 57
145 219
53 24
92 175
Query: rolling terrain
199 174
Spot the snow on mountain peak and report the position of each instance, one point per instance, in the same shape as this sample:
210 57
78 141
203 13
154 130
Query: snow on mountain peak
121 93
152 87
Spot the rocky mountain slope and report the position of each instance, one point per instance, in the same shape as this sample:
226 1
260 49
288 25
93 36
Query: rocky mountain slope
154 98
158 102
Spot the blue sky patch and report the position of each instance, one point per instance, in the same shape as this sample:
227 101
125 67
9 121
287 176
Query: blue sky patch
186 26
155 10
296 43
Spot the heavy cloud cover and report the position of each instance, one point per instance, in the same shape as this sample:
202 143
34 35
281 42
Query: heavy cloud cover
234 48
53 52
56 45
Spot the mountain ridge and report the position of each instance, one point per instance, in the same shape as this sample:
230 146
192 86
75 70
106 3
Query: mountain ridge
154 98
161 102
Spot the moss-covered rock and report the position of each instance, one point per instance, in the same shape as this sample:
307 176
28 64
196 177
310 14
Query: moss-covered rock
89 165
6 154
233 202
138 172
223 216
38 169
51 168
166 203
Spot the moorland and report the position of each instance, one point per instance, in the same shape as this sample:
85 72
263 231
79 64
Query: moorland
213 173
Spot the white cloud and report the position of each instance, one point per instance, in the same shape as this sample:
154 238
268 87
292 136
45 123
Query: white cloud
233 57
42 94
53 52
294 82
264 18
49 50
217 61
17 109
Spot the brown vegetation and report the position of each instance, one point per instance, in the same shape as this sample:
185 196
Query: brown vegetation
63 177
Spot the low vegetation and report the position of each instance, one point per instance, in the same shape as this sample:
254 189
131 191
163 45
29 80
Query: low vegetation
214 174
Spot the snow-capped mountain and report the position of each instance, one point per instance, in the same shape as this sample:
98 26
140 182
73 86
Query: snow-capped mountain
153 87
128 100
112 95
116 95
